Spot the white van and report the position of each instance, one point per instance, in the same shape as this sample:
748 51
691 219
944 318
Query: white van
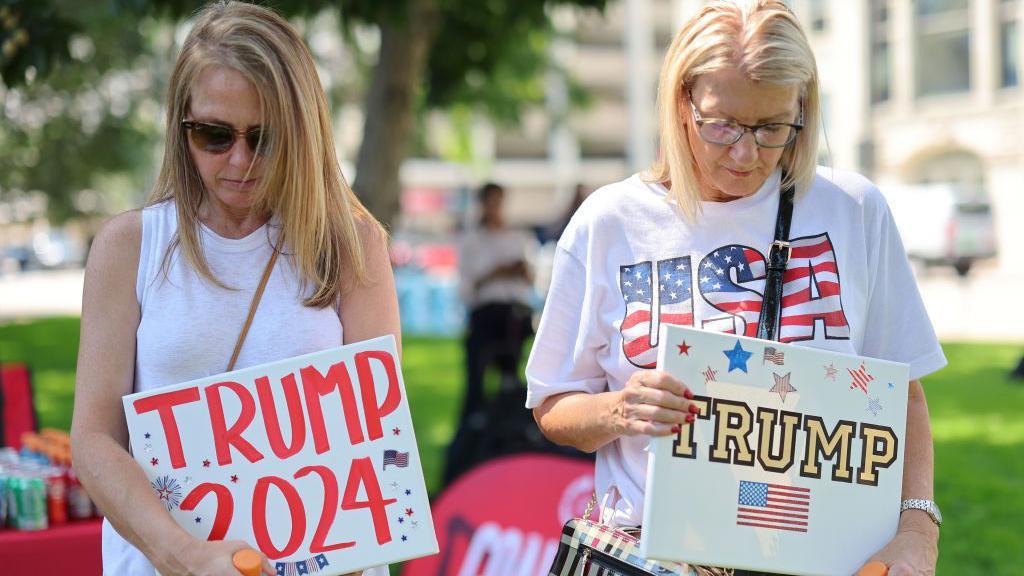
943 224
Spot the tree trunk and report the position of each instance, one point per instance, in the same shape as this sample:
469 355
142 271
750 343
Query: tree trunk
389 109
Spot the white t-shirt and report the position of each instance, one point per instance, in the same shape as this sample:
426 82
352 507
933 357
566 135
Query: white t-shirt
848 288
481 250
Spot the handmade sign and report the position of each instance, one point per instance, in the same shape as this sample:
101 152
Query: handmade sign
794 464
311 459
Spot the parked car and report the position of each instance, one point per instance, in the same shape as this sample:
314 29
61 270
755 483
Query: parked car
943 224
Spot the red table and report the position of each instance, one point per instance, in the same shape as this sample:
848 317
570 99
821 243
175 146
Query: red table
73 548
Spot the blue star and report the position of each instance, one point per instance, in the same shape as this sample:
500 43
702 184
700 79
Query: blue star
408 492
198 520
891 386
147 435
737 357
404 538
401 520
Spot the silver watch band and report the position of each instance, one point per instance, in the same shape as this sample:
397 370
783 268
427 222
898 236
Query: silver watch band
927 506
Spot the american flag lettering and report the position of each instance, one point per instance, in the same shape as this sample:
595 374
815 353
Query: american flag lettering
395 458
860 377
672 290
773 506
811 292
714 276
772 355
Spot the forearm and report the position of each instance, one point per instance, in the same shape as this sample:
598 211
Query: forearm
578 419
919 462
129 503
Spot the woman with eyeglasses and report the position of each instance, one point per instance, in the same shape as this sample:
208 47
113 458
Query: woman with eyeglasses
250 194
686 243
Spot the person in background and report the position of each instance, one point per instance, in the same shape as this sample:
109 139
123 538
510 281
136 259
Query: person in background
496 284
249 184
738 115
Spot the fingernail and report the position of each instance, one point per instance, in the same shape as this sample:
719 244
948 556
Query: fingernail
694 409
676 429
688 394
690 418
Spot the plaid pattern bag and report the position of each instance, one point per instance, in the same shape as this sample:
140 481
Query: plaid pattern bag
588 548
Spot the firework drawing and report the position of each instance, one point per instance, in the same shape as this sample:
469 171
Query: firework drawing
168 490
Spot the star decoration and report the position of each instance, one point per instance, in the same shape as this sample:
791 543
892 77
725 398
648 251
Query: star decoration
408 492
154 461
874 406
892 386
404 537
396 431
782 386
684 348
206 463
401 520
415 524
737 357
394 485
830 371
408 511
148 448
147 435
234 478
199 520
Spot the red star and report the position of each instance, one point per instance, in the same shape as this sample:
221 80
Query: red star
684 348
154 461
396 431
234 477
206 463
408 511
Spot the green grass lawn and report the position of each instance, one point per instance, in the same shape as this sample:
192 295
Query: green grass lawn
976 417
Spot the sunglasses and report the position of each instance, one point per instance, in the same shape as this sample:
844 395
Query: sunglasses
218 138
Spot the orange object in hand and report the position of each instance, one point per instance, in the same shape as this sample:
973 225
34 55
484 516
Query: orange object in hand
248 561
873 568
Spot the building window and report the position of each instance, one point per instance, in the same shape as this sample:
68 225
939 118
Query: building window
1009 47
881 55
943 56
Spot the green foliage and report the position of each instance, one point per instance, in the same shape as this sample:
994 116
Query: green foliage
33 39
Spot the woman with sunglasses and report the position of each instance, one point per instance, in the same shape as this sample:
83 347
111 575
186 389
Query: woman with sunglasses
686 243
249 184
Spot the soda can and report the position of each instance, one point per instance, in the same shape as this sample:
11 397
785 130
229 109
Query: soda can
30 496
56 497
3 497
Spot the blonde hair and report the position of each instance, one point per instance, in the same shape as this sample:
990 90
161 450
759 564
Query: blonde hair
763 40
302 185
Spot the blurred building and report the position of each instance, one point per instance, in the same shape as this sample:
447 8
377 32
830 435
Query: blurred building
914 91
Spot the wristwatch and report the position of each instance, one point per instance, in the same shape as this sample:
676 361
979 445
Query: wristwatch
927 506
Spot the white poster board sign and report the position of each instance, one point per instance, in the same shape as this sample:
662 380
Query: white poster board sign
793 466
312 460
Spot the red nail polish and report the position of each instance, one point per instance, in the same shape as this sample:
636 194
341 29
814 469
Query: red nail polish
690 418
694 409
676 429
688 395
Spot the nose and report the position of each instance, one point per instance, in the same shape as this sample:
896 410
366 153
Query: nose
239 154
744 151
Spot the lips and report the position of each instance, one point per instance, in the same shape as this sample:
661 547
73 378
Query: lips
239 184
739 173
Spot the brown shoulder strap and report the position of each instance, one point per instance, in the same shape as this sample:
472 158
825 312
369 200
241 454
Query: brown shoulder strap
255 302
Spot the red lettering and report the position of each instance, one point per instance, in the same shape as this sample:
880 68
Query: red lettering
362 472
330 508
224 437
295 416
164 405
225 506
373 412
315 385
259 517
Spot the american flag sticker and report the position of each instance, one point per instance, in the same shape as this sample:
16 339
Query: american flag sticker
860 377
773 506
772 355
396 458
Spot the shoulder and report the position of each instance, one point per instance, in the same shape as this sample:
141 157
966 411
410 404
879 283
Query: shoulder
372 235
616 206
119 238
848 190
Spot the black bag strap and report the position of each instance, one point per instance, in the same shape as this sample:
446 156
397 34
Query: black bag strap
778 258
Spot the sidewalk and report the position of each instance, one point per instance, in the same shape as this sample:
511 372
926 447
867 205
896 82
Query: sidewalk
981 307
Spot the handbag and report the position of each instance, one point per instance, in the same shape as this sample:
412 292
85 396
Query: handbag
589 548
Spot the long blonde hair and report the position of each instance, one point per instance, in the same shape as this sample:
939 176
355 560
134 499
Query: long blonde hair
763 40
302 186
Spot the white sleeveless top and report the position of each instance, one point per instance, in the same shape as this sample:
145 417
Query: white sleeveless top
188 326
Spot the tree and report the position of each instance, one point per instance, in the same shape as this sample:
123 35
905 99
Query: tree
432 54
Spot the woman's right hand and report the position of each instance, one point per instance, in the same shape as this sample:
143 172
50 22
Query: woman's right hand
653 403
200 558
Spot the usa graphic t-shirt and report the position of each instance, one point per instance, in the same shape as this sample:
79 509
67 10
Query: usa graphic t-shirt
629 261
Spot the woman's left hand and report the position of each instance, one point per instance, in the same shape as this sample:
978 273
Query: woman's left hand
910 553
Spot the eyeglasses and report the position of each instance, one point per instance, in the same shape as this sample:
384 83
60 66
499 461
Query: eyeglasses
218 138
724 132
